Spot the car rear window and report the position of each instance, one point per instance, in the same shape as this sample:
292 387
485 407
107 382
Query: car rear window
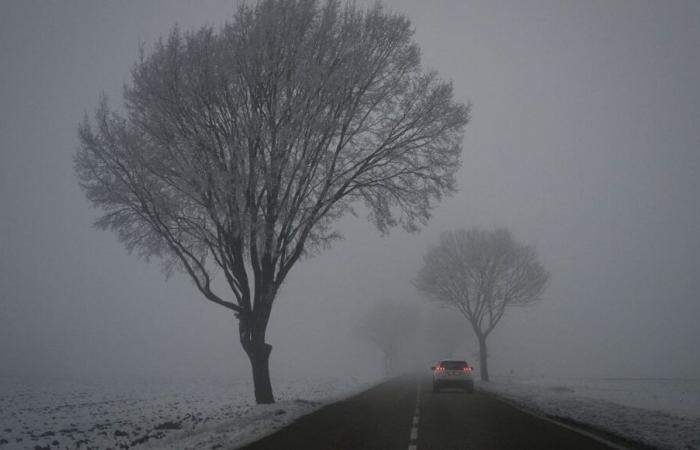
453 365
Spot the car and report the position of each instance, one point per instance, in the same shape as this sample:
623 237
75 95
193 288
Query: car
452 373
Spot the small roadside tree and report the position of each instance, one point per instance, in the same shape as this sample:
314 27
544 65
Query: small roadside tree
238 149
390 326
481 273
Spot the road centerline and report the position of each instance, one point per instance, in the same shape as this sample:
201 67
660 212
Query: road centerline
413 437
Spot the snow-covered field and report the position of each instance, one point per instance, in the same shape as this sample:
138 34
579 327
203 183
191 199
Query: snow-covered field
662 413
206 414
197 414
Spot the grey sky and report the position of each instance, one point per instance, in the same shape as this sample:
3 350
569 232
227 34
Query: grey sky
585 141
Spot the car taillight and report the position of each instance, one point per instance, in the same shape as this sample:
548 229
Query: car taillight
468 370
440 369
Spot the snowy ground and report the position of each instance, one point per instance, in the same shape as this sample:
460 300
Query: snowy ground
660 413
205 414
192 414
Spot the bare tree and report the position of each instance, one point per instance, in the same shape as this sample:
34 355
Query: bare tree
389 326
481 273
238 149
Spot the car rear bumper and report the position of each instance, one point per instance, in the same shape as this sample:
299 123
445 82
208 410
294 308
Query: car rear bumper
451 382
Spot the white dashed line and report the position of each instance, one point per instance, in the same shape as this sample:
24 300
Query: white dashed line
413 438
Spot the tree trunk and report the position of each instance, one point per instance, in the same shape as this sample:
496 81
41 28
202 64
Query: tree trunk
483 358
260 362
252 335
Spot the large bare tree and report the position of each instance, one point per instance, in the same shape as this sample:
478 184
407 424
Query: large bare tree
237 149
482 273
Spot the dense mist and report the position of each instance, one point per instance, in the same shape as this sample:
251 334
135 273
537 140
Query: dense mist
584 142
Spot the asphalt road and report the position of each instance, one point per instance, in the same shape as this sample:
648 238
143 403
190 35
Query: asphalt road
404 414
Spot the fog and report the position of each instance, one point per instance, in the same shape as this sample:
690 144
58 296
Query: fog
584 141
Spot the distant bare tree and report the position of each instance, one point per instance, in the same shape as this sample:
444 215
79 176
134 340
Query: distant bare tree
238 149
389 325
481 273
